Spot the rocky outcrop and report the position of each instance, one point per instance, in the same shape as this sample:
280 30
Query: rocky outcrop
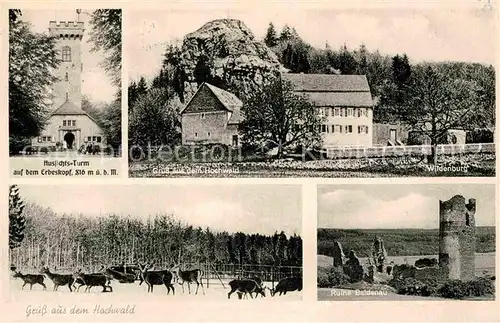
232 54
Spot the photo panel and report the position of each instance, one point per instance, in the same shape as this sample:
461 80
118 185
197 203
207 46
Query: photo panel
400 242
153 244
231 90
65 97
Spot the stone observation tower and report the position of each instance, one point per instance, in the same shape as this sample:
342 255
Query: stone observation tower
457 238
69 36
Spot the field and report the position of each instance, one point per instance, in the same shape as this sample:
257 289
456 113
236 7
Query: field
213 292
485 265
398 242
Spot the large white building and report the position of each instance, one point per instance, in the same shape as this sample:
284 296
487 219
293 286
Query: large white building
346 103
68 126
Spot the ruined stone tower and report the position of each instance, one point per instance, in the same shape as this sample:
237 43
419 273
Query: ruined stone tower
457 238
69 36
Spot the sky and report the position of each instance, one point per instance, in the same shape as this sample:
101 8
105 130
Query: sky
95 82
425 34
247 208
397 206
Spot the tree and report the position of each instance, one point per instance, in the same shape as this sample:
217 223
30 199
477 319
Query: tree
276 115
271 38
175 75
286 33
106 36
17 221
155 119
111 118
401 69
345 61
202 70
435 104
32 58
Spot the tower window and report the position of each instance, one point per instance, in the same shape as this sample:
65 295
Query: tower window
67 96
66 54
467 220
66 77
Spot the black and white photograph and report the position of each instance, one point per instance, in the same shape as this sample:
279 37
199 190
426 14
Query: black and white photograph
64 84
239 91
406 242
164 242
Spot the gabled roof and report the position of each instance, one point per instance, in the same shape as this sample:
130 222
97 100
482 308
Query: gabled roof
328 82
68 108
227 99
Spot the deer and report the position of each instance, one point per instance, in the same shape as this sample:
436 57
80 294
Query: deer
58 279
288 284
158 277
30 279
188 276
244 286
121 277
91 280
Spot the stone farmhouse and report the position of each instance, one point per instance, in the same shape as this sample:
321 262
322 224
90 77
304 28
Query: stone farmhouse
212 115
68 126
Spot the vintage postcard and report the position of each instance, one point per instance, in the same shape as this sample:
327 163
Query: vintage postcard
65 92
406 242
249 161
302 92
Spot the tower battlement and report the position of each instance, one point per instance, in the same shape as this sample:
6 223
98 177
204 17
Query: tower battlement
66 29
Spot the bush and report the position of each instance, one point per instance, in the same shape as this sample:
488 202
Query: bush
330 277
323 281
480 287
337 279
411 286
454 288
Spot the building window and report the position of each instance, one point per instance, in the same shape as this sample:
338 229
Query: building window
66 54
66 77
208 134
321 112
64 123
203 116
74 123
67 96
89 138
366 128
350 112
350 128
337 112
327 112
39 139
98 139
360 112
94 138
196 134
365 112
323 128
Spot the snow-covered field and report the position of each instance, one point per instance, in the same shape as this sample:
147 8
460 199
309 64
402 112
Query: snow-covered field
213 292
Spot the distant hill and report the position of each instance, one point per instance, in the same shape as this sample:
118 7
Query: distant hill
398 242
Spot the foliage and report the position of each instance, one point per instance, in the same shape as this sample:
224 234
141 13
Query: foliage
398 242
155 119
481 286
16 218
106 36
111 118
271 38
276 115
32 57
434 103
453 288
68 240
329 277
411 286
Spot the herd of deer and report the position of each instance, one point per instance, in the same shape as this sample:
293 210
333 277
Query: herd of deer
143 273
